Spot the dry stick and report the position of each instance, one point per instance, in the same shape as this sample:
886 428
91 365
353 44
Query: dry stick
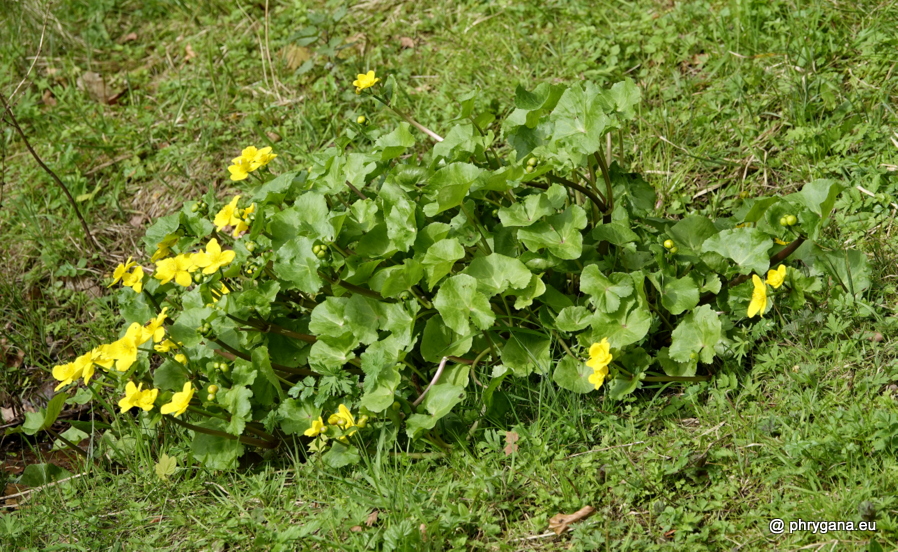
42 487
37 56
15 124
436 378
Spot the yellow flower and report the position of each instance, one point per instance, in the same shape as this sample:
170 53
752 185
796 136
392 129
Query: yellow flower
154 327
598 376
120 271
228 215
343 419
134 396
364 81
250 159
165 346
66 374
599 355
179 401
134 280
758 297
177 268
240 168
317 427
780 242
242 223
181 358
213 257
100 357
124 352
776 277
85 365
261 158
163 248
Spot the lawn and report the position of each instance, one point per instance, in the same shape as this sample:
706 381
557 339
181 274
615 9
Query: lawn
139 106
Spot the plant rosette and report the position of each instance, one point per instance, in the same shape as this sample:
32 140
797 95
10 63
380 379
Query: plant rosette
365 295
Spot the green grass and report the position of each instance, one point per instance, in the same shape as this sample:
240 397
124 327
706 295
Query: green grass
750 96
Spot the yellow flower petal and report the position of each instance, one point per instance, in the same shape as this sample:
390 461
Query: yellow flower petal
758 298
598 376
226 215
317 428
179 401
776 277
364 81
599 355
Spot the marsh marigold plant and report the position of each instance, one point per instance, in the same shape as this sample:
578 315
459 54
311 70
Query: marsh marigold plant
394 286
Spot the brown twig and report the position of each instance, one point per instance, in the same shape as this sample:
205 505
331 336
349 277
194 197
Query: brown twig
776 259
15 124
574 186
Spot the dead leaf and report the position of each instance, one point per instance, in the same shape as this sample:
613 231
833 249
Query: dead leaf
7 415
127 38
94 84
273 136
406 42
423 529
511 438
296 56
356 529
48 98
137 220
189 54
559 523
372 519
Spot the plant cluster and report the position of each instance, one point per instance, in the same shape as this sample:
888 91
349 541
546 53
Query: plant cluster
368 295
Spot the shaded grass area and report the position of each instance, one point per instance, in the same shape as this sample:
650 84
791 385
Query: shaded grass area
743 97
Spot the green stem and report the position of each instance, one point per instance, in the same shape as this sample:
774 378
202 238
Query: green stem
609 196
242 438
480 230
351 287
100 398
424 302
71 445
231 353
477 359
565 347
270 327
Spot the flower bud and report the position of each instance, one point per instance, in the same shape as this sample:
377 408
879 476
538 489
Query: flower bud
668 244
361 120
